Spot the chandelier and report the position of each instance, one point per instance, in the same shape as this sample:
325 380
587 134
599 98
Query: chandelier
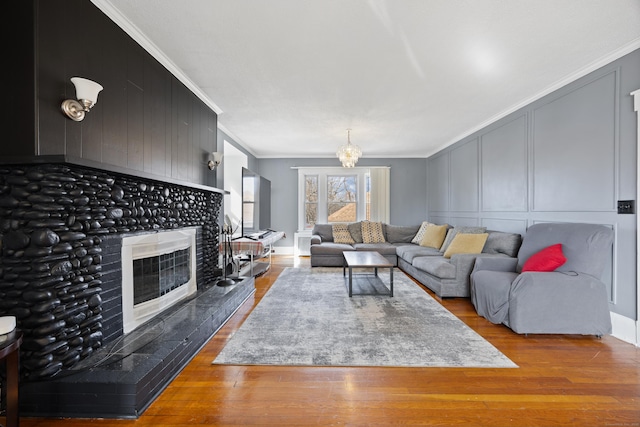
349 153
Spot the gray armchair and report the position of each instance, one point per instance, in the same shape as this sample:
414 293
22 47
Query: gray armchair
570 300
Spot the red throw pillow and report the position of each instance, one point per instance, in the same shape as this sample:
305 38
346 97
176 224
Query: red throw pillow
547 259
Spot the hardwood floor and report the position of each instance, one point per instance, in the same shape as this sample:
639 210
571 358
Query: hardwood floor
561 381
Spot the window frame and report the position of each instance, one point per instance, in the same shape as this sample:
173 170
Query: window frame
322 174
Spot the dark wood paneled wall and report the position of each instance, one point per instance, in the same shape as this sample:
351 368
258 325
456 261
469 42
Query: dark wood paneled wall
145 119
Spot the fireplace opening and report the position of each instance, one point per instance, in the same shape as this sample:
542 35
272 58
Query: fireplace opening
155 276
158 270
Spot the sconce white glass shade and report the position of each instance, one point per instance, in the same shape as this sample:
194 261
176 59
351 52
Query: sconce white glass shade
87 96
216 160
86 89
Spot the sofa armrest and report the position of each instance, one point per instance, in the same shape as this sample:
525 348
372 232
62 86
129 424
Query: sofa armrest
316 239
496 263
465 263
557 302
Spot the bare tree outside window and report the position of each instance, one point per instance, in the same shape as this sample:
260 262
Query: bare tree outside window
310 200
342 198
367 189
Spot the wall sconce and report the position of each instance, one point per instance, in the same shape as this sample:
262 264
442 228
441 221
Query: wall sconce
87 94
215 162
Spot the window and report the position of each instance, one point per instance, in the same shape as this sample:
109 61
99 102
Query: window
332 195
342 203
310 201
248 201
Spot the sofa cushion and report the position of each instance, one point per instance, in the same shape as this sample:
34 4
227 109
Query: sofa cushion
464 243
324 231
341 234
330 248
401 233
451 234
436 266
500 242
420 233
372 232
356 231
434 236
548 259
409 253
381 248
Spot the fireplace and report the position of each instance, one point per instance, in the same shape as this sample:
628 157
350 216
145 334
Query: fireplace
63 228
158 270
61 233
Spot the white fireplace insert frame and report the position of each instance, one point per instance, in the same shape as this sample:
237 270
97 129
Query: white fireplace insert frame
150 245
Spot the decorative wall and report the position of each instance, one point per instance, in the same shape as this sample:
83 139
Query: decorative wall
567 157
55 220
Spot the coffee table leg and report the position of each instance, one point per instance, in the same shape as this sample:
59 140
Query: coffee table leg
391 280
350 280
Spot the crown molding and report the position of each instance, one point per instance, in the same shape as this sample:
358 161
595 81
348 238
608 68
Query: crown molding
136 34
607 59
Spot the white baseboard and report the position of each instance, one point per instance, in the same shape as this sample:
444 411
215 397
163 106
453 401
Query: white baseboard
624 329
283 250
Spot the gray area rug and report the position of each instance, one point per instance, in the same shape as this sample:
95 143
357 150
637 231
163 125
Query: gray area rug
308 319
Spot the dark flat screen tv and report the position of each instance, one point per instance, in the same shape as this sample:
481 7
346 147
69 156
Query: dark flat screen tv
256 203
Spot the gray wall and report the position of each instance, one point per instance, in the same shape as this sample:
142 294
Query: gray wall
567 157
408 198
252 162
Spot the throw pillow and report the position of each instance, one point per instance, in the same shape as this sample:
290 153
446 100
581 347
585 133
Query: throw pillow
460 229
548 259
372 232
420 234
356 231
466 243
341 234
434 236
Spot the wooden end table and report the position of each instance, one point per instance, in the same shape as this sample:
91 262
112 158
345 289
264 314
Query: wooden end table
366 259
10 359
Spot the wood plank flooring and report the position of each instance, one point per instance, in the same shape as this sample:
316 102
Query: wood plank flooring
562 380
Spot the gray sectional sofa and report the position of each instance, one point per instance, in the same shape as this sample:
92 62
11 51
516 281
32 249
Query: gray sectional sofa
447 277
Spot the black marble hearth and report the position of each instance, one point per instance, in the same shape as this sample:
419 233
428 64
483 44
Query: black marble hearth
121 380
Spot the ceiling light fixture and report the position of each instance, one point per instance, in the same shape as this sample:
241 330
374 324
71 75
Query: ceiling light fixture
87 94
349 153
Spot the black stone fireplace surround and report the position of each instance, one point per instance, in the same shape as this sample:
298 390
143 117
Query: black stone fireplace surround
61 228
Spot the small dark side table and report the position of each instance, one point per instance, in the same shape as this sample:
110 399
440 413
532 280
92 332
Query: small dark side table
10 362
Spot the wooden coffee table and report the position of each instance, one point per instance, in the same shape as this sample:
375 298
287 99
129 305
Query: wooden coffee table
366 259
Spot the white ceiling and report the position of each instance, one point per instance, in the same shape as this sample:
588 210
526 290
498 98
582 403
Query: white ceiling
409 77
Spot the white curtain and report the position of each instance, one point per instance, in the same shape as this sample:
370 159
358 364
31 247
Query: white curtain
380 195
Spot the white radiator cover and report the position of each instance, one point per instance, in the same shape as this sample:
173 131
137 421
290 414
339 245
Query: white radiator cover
302 242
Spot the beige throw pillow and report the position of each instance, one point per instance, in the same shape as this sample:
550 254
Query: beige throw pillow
434 236
464 243
372 232
418 237
341 234
460 229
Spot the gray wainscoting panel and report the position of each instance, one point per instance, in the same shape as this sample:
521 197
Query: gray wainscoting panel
439 219
504 167
574 145
438 183
506 225
464 177
463 221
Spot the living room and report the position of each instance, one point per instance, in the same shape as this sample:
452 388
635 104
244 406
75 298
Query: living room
570 147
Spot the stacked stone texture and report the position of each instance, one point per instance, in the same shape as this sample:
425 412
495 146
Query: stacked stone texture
52 218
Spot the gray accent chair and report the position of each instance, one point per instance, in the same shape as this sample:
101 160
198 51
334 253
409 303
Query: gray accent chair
570 300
